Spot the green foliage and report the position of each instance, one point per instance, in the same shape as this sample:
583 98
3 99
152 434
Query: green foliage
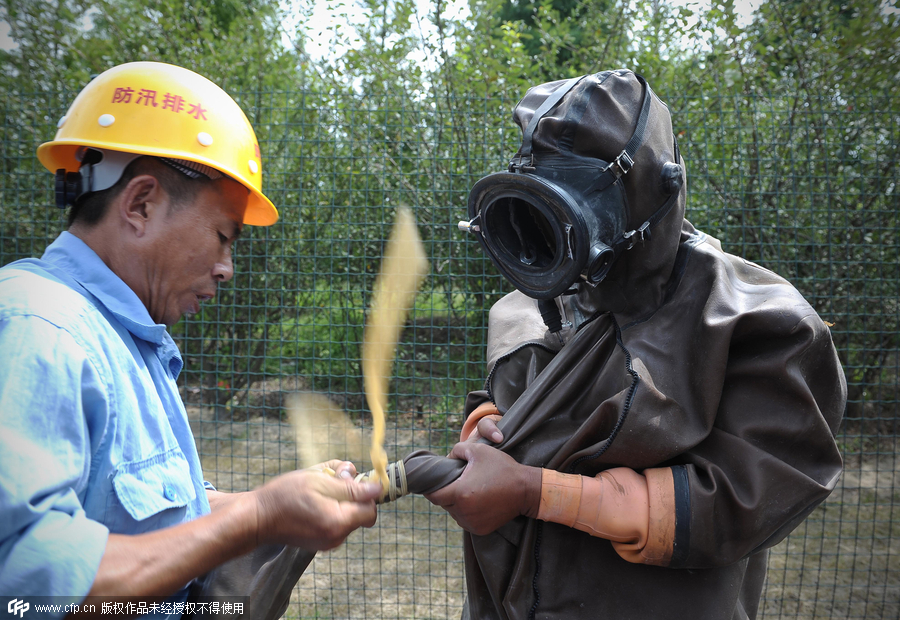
557 32
62 44
845 47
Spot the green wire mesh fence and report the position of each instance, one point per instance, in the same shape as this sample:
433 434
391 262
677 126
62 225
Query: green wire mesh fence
804 186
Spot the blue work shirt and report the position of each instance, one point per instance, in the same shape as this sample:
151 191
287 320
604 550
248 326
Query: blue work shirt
94 437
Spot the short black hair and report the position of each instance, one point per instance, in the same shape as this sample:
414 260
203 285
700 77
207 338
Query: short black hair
90 208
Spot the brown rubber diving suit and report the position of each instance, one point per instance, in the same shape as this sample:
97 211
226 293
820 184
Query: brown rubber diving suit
709 374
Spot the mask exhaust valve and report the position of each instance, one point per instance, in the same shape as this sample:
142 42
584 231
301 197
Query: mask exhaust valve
600 260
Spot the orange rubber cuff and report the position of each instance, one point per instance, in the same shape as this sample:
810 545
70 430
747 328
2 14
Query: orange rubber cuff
634 511
560 497
471 424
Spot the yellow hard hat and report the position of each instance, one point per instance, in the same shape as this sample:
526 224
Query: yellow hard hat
152 108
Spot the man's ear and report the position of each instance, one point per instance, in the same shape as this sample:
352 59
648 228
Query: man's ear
142 200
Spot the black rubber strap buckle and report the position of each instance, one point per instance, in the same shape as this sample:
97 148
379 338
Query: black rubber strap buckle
623 162
642 234
518 163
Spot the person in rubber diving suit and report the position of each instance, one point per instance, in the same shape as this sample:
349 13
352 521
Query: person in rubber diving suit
657 413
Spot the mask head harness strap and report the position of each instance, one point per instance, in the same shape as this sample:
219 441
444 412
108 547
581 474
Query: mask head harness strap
524 159
624 161
642 232
620 166
518 164
673 179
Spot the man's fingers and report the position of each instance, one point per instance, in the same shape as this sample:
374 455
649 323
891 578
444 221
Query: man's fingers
352 506
362 514
442 497
363 491
312 510
348 490
357 505
487 428
460 451
341 469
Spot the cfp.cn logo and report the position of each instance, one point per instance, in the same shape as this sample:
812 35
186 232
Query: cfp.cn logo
17 607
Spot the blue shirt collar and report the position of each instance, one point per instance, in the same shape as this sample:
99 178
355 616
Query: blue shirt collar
76 258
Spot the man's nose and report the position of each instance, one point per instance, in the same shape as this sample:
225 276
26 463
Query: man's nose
223 270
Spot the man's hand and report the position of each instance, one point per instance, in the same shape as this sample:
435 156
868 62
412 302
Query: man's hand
492 490
487 428
309 509
312 509
341 469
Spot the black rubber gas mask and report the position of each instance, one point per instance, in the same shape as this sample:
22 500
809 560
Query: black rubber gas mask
559 218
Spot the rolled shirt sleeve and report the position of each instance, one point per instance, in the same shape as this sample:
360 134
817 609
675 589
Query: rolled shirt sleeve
48 545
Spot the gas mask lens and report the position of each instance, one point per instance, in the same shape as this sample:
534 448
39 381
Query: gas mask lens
521 231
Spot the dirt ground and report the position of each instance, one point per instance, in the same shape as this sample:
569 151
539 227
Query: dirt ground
842 562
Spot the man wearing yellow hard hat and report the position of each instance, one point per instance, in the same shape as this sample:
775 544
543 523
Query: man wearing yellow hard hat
101 491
